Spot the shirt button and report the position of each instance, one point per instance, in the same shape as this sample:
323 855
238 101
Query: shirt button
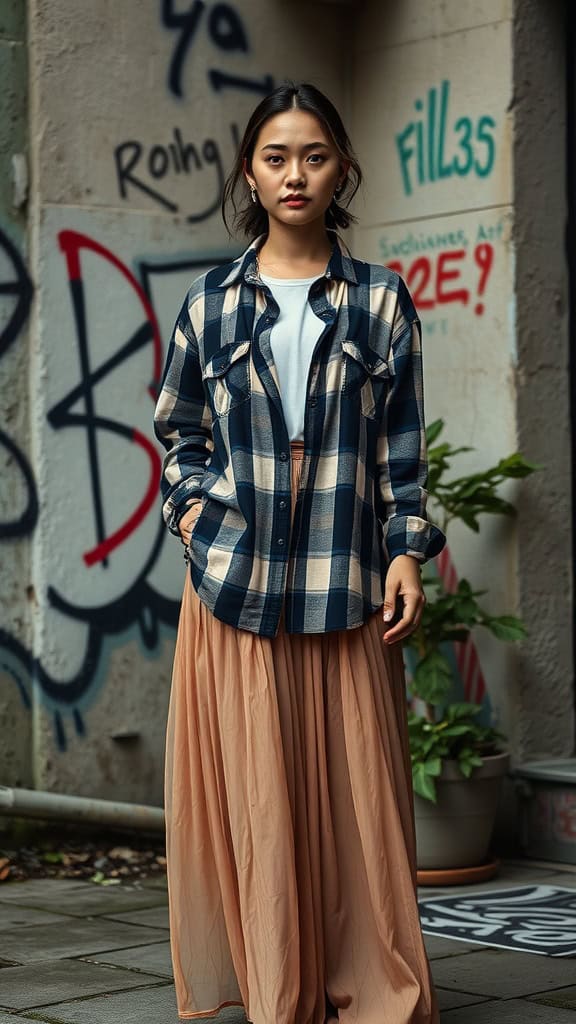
313 402
282 504
280 541
283 456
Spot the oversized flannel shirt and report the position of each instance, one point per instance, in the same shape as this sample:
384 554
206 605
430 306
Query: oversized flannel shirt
361 498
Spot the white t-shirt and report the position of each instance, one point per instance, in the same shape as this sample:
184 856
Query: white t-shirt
292 340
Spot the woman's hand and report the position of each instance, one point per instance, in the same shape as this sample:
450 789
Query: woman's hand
403 581
186 524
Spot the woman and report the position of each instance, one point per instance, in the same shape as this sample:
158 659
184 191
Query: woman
291 411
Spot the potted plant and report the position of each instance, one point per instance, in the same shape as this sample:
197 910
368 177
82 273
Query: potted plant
457 760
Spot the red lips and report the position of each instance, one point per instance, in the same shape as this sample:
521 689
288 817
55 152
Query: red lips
294 197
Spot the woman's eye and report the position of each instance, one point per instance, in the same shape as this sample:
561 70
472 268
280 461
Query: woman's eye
269 159
317 157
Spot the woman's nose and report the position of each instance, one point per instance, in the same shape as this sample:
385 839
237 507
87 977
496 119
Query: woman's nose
295 175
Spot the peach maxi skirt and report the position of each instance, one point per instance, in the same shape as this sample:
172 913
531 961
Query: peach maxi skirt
289 822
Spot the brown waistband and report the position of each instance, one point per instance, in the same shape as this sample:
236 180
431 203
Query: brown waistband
297 449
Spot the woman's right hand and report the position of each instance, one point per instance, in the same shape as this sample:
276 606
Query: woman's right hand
186 524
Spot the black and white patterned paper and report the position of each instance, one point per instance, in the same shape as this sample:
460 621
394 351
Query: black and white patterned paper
531 918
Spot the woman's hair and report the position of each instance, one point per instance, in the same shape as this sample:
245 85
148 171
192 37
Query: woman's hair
252 218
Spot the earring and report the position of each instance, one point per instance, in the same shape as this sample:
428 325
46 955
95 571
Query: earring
337 193
253 193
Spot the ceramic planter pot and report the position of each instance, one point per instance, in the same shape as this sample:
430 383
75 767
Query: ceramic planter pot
455 832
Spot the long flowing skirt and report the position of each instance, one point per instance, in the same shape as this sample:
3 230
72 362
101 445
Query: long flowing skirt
290 825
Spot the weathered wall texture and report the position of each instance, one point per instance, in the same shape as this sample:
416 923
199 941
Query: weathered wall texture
135 110
134 113
544 681
18 494
439 209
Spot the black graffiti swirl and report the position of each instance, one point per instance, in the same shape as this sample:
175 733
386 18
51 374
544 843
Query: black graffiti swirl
20 288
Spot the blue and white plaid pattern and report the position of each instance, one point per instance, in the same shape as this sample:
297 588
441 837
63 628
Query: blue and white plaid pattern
362 496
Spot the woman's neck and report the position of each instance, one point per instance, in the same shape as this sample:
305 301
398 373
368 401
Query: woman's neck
295 251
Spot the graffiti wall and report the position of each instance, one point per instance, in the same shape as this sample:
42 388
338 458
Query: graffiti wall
139 110
439 211
18 491
135 114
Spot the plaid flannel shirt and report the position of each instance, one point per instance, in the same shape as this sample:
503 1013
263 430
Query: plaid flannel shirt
362 496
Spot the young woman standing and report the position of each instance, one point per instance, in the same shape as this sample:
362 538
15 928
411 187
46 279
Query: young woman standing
291 410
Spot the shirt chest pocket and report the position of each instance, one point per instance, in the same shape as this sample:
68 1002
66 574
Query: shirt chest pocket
365 377
227 377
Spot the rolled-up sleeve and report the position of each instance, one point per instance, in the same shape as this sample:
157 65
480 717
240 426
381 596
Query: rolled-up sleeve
182 422
402 455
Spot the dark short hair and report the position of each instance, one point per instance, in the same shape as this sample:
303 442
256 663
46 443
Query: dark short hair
251 218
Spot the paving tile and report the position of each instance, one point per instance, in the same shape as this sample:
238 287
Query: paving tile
157 917
500 974
33 887
563 997
560 878
510 882
525 871
14 916
509 1011
448 1000
438 946
91 899
541 865
72 938
161 882
55 981
141 1006
9 1019
154 959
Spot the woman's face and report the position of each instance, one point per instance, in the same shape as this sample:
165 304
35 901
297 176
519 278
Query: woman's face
294 154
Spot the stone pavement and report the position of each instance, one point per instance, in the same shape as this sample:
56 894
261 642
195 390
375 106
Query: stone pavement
81 953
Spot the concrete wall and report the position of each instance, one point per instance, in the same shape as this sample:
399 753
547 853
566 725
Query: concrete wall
135 110
544 682
132 131
462 202
18 493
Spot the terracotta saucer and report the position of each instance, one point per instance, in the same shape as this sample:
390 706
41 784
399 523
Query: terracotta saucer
459 876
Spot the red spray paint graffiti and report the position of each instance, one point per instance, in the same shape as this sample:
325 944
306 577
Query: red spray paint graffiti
437 280
72 243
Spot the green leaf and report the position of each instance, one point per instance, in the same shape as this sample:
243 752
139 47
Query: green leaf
433 766
516 466
469 519
456 730
432 677
53 857
423 784
463 709
433 430
506 627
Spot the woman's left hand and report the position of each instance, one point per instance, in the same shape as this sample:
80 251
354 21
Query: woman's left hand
403 583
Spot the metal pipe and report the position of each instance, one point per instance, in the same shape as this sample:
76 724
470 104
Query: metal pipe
35 803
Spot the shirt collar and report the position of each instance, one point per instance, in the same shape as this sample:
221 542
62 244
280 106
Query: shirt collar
340 263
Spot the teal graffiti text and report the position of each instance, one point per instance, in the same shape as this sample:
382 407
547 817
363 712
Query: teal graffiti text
431 147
